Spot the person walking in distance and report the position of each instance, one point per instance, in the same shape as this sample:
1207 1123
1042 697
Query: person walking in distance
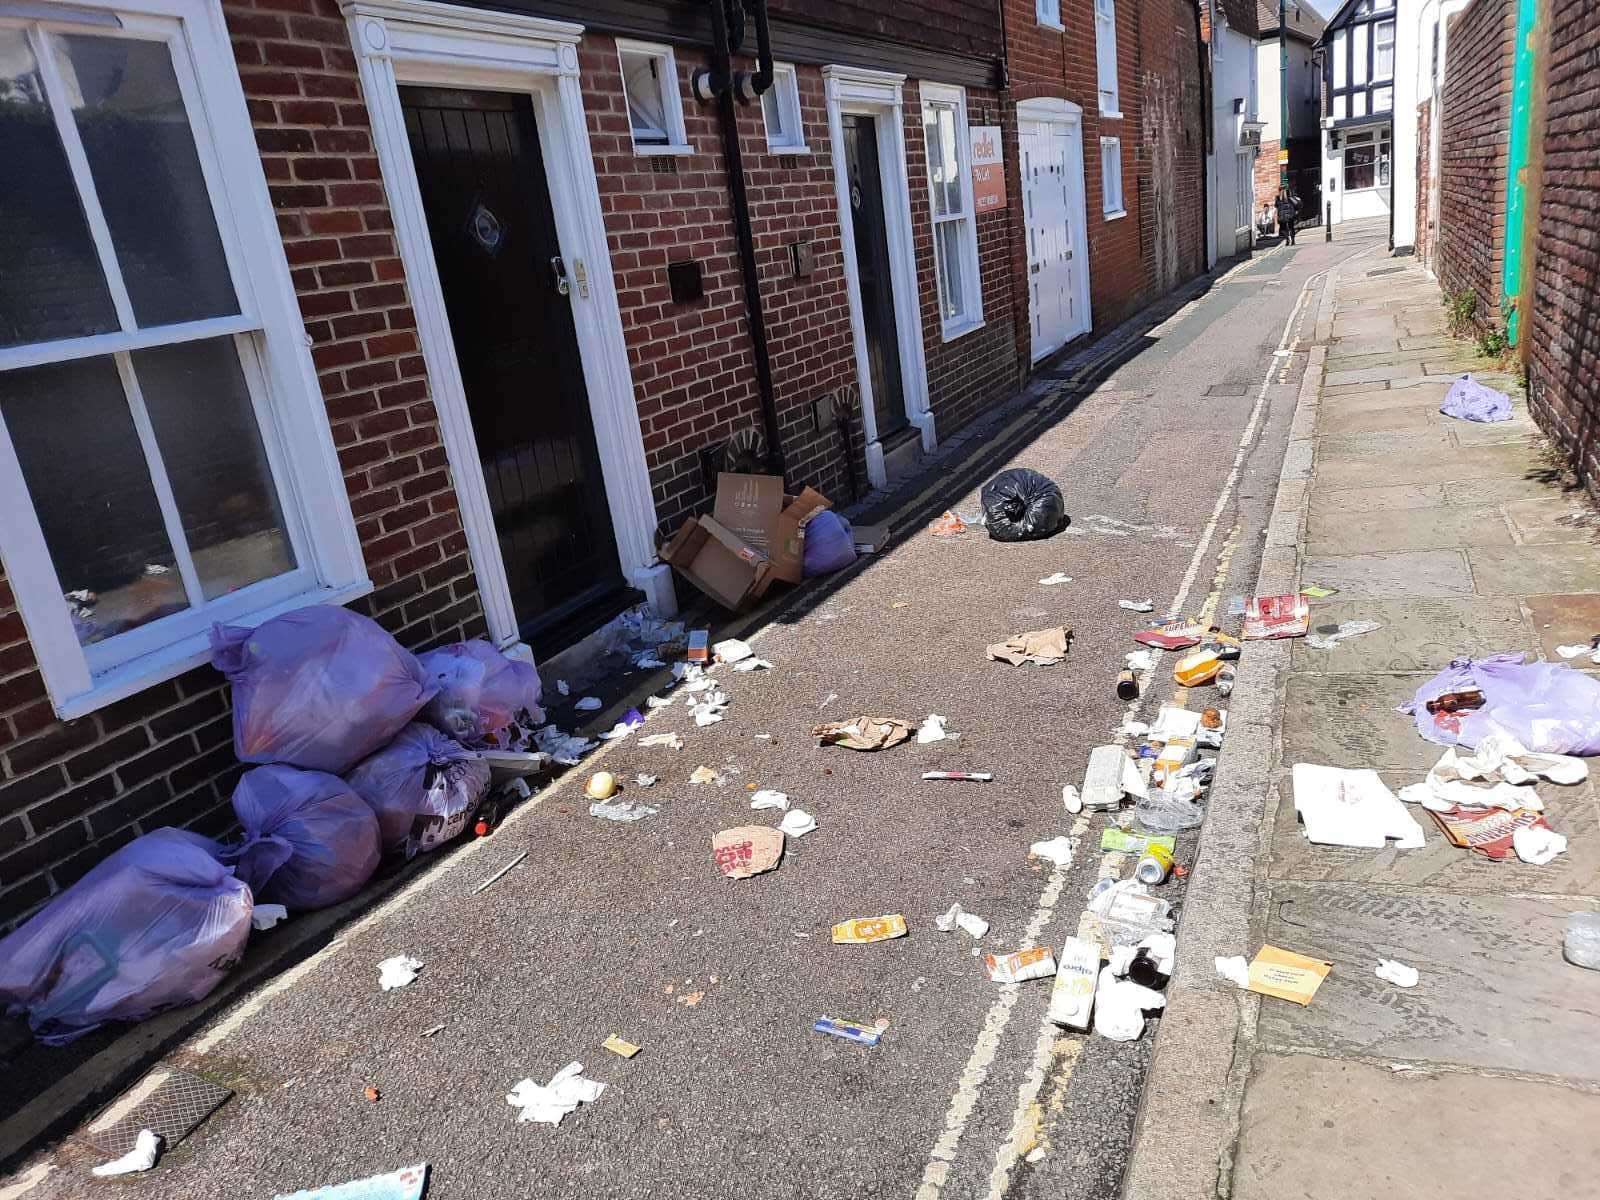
1286 214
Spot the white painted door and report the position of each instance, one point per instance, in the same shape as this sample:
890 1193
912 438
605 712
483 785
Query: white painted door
1053 205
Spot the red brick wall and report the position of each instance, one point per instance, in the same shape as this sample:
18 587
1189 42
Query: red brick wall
1266 175
73 791
1159 243
970 27
1472 153
1562 332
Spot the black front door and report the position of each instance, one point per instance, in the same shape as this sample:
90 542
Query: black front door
872 269
488 206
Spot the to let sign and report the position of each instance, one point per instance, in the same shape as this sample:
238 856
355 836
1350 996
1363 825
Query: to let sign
988 169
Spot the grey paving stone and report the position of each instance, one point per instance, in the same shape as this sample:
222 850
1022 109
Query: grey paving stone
1416 635
1375 374
1350 721
1474 464
1397 575
1529 485
1399 418
1519 570
1554 519
1391 445
1564 620
1332 532
1320 1129
1494 992
1396 497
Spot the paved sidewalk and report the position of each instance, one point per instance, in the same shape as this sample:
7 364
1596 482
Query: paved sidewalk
1461 539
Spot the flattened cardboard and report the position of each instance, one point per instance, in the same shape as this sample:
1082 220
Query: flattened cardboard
748 505
789 534
718 562
1287 975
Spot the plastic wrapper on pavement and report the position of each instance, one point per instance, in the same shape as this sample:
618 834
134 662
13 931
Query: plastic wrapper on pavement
1020 505
423 787
309 842
830 544
320 687
480 691
1548 707
1469 400
154 926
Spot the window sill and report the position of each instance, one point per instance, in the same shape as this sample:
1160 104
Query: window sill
675 148
780 149
1053 25
960 329
1114 215
160 665
1110 116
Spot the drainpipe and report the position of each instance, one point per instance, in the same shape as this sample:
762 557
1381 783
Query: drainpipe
721 84
1283 95
1525 65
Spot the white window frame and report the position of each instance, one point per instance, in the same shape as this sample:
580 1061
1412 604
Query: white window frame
1378 75
971 315
1105 57
1049 14
785 93
1113 202
671 96
274 357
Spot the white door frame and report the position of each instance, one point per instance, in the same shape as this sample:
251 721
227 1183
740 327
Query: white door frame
425 42
1056 111
878 94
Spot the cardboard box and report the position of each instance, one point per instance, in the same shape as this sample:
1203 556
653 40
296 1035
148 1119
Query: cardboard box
756 508
718 562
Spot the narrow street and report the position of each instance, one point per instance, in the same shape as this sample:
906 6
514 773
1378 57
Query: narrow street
1169 466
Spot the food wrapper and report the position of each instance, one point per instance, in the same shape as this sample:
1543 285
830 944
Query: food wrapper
870 929
1282 616
851 1031
747 850
1020 965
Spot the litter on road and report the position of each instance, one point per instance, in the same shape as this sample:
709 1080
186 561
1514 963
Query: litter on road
947 525
1318 639
797 822
588 704
851 1031
1136 843
1072 994
1498 774
433 1029
498 874
1021 505
625 811
141 1158
1174 633
1580 945
1469 400
705 774
957 917
548 1103
747 850
1340 807
1589 650
862 930
1120 1006
1140 660
1489 833
1110 776
1537 843
1268 617
1235 970
1041 647
1397 973
1020 966
645 781
960 776
619 1047
753 664
1287 975
1547 707
265 916
1058 850
767 798
934 730
1315 591
1138 606
732 651
1071 800
404 1184
602 785
397 972
863 733
1055 579
672 741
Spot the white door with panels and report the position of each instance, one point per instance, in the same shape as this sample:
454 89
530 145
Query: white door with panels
1053 205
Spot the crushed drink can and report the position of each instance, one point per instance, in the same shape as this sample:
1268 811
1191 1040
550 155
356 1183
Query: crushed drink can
1154 866
851 1031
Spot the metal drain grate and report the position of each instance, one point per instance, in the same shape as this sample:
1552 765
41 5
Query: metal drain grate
170 1102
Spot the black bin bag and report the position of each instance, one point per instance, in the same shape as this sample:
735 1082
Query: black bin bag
1020 505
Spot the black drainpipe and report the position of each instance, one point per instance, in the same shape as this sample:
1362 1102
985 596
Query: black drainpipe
721 84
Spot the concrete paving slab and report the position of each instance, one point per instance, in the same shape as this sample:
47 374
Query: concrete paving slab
1338 419
1438 865
1405 573
1391 444
1374 374
1321 1129
1395 498
1350 721
1471 433
1364 325
1474 464
1330 532
1363 397
1425 341
1564 621
1534 484
1369 344
1342 358
1554 519
1495 992
1519 570
1416 635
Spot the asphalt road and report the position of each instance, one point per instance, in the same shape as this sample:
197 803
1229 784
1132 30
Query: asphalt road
629 929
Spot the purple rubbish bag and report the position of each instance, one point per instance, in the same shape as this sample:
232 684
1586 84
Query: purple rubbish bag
320 687
423 787
309 841
480 691
830 544
1548 707
155 925
1470 400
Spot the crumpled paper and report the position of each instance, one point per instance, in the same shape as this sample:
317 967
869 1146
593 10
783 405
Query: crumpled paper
863 733
398 972
1340 807
1492 776
141 1158
625 811
547 1104
1398 973
1120 1005
1042 647
797 822
747 850
1347 629
1538 844
957 917
768 798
